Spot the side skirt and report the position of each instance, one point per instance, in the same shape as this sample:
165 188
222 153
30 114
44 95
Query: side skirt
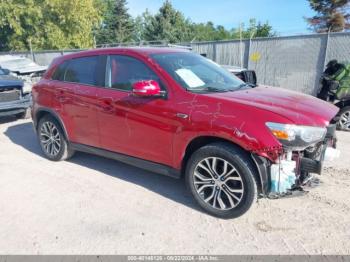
133 161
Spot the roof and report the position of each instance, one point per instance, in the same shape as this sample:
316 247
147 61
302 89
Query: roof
143 51
150 50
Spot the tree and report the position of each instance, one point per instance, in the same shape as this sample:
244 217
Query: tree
142 22
117 25
332 15
204 31
168 24
47 24
254 30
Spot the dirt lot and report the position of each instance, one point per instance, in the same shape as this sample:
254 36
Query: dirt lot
92 205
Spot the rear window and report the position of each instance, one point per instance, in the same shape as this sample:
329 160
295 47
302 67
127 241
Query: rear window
82 70
59 72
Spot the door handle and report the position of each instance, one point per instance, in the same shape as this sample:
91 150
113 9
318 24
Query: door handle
181 115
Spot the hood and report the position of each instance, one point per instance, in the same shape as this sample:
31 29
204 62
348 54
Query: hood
8 80
27 69
299 108
21 65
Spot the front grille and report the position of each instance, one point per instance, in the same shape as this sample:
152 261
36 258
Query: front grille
10 95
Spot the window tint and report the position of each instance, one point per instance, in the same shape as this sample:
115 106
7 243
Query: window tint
124 71
59 72
82 70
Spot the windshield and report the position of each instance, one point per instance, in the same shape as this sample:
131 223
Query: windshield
2 72
198 74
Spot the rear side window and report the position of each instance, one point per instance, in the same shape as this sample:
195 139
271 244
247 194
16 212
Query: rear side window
59 72
82 70
125 71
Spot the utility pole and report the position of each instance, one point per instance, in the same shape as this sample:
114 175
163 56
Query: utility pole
250 46
241 44
31 49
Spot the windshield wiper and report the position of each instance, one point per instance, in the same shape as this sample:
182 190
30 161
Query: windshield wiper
208 89
243 85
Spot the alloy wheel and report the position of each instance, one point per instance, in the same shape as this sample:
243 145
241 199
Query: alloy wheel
344 121
50 138
218 183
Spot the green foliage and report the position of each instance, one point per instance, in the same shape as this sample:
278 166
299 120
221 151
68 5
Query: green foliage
117 25
171 25
332 15
64 24
257 30
47 24
168 24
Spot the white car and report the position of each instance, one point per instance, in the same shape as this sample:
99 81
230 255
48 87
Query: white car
20 65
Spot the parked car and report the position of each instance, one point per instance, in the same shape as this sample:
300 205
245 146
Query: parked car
175 113
247 76
15 96
22 67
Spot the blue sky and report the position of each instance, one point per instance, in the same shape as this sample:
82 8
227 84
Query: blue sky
286 16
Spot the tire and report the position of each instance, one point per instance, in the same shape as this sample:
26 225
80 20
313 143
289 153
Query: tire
242 180
344 119
52 139
25 115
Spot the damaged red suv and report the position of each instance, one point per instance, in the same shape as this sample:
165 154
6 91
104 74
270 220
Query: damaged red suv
176 113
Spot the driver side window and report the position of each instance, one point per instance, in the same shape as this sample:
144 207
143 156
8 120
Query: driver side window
123 71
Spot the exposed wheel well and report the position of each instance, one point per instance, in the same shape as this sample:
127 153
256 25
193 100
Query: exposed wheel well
40 115
199 142
342 104
44 113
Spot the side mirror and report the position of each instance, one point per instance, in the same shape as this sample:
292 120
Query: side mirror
147 88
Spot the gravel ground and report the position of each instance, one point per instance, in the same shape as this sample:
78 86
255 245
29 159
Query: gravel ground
92 205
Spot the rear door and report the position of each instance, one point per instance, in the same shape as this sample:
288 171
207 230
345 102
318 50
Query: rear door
82 76
139 127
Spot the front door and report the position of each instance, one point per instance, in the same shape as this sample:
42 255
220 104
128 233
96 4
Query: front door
135 126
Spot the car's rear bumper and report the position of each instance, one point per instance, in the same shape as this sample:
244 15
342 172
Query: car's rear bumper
15 107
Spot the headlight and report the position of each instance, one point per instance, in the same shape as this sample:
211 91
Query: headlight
296 136
27 88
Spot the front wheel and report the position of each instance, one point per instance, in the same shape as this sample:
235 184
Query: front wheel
344 119
221 179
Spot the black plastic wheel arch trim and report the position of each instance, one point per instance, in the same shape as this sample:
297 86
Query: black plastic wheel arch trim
262 165
53 114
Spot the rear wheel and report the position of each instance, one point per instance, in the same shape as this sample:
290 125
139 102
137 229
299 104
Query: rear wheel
344 119
220 178
52 140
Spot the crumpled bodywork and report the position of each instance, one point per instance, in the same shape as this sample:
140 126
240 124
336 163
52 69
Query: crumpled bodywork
12 99
20 65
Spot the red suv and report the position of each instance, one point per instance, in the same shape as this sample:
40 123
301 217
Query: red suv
176 113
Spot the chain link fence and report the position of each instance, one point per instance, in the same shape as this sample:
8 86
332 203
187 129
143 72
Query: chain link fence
294 62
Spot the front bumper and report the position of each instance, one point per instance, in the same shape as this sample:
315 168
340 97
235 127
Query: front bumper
15 107
311 163
294 168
